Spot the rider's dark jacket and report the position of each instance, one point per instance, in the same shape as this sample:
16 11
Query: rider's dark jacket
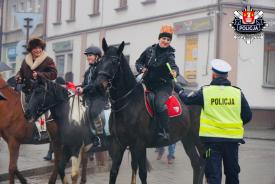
154 58
88 83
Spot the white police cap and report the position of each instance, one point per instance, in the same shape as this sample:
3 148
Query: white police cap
220 66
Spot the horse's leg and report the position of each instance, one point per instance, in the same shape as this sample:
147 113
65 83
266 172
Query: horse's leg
84 163
14 146
66 155
134 165
56 144
116 152
76 163
141 157
197 162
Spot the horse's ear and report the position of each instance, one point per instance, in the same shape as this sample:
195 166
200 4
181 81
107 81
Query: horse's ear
121 47
104 45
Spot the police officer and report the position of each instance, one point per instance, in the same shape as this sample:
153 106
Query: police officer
224 112
157 76
95 102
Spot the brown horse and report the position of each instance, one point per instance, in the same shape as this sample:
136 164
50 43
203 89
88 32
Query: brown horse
131 125
15 130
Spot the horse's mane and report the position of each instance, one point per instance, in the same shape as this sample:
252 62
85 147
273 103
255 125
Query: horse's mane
60 92
9 87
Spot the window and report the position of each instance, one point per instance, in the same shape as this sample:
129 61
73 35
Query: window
148 2
122 5
72 11
95 7
13 23
64 64
269 60
60 65
22 6
58 12
29 5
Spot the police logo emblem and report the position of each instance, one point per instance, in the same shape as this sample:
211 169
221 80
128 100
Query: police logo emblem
248 24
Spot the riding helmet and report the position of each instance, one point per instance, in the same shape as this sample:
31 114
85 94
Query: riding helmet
93 50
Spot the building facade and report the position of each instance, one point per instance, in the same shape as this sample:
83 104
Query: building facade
202 32
14 32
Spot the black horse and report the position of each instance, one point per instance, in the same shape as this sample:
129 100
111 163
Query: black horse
47 95
132 126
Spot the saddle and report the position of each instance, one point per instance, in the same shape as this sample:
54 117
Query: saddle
173 104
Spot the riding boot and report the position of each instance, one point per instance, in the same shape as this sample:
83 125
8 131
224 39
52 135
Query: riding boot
163 122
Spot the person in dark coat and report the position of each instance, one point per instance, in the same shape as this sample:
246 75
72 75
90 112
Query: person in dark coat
36 64
95 102
157 76
224 112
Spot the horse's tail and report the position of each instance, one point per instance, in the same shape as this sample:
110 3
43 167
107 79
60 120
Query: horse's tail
148 165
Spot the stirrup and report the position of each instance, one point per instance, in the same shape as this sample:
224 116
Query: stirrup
164 135
97 143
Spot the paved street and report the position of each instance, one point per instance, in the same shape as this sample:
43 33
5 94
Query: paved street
257 159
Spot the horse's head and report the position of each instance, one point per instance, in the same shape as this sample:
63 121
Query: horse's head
109 65
45 95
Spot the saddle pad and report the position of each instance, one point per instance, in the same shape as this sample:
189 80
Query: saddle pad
173 105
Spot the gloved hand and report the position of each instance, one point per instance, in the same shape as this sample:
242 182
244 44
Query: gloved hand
18 79
178 87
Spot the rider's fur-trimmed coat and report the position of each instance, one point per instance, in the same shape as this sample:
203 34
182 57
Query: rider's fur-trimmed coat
43 65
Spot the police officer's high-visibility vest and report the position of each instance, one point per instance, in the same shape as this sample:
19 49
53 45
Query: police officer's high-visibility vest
221 115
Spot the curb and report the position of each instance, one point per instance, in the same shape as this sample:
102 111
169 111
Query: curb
260 138
47 169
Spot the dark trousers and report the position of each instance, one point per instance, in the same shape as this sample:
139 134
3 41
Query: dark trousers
162 93
226 152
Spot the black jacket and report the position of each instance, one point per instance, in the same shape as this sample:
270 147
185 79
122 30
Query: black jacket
154 59
196 98
89 78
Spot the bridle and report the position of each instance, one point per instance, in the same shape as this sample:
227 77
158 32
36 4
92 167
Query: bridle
116 59
41 107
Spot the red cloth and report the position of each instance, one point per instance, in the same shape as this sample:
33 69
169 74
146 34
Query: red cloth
71 86
173 105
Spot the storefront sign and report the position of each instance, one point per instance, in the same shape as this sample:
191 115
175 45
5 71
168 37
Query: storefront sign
63 46
193 26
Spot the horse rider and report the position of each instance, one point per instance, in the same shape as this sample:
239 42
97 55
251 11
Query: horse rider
224 112
157 77
36 64
95 102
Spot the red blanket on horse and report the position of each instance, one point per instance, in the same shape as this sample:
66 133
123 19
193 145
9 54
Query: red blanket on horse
173 105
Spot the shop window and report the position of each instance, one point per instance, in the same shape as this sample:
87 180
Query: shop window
64 64
60 65
269 60
191 59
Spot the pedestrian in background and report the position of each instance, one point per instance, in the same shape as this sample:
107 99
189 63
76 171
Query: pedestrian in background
224 112
171 153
